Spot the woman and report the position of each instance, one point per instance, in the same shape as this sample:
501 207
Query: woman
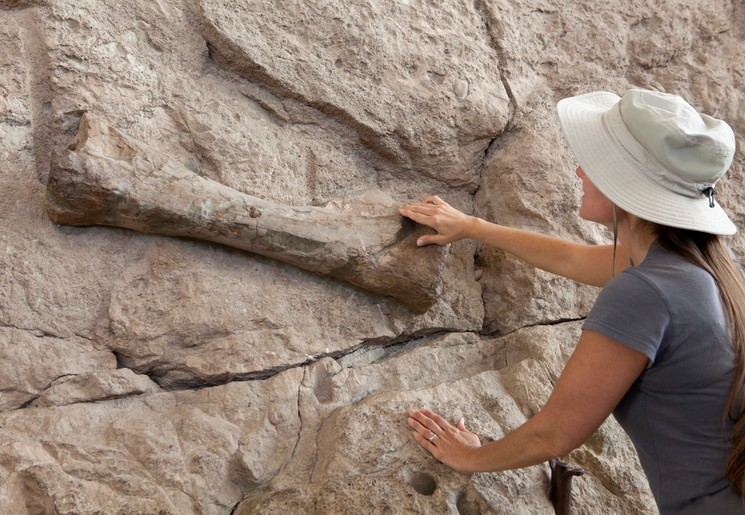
663 348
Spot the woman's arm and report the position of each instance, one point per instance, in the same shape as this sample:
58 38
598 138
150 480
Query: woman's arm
588 264
596 377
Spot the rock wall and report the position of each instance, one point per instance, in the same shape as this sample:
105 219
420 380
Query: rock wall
142 373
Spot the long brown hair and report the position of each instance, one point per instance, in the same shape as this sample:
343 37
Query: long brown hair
709 252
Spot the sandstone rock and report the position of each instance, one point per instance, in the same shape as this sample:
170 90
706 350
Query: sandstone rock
178 452
95 386
433 107
494 384
30 364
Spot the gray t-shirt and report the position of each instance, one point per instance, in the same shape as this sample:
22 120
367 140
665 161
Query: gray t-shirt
670 310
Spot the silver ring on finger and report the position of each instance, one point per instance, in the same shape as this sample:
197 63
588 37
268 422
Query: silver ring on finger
432 438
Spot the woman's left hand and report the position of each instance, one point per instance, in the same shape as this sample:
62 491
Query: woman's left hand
453 445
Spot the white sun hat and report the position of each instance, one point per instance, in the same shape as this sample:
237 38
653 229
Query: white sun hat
653 155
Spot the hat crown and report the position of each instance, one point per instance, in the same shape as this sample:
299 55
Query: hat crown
695 148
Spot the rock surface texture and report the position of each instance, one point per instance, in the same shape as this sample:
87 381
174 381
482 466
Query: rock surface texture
178 372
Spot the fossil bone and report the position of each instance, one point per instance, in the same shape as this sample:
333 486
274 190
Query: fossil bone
107 178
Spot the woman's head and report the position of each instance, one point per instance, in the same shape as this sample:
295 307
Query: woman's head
653 155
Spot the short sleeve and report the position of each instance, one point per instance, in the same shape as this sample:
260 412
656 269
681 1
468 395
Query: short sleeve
632 312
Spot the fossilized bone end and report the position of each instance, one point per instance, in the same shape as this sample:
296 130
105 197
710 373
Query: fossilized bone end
415 273
96 138
81 194
394 266
411 274
72 197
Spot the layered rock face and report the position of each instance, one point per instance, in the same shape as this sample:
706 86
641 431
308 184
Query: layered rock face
242 322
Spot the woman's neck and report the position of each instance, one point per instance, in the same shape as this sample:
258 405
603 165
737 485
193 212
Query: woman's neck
634 237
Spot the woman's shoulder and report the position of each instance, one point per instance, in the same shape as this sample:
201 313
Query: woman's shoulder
664 279
665 269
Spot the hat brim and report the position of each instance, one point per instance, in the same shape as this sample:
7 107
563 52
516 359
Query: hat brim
621 178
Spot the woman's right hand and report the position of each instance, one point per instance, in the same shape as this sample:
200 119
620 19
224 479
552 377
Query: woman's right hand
451 225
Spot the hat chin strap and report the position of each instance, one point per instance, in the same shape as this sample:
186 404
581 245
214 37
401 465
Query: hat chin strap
615 243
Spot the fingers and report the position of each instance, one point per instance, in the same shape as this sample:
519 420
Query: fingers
420 214
424 425
434 199
431 239
437 214
424 214
452 445
427 423
429 206
436 419
418 210
426 432
426 443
